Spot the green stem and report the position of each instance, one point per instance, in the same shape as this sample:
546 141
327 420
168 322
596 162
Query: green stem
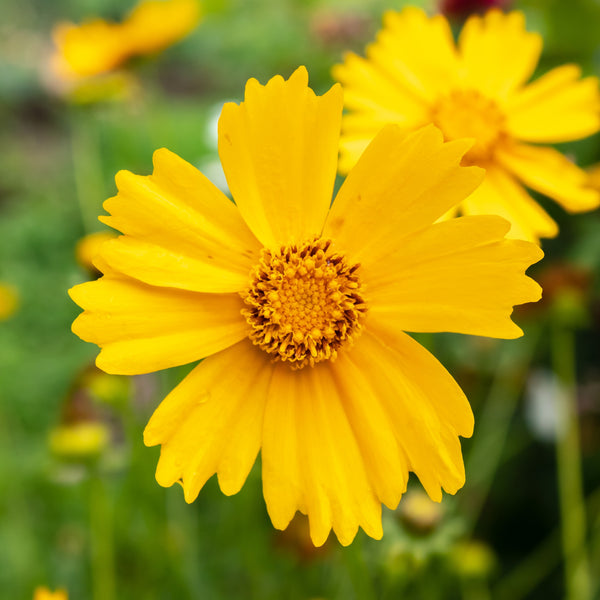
87 169
568 457
523 579
101 530
358 570
493 425
475 590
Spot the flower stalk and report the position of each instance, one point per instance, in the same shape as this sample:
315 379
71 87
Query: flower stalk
568 457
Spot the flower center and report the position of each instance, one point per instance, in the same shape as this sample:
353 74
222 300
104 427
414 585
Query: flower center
469 114
304 302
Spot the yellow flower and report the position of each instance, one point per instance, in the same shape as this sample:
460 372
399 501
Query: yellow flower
414 74
301 308
84 439
43 593
153 25
88 247
98 46
9 301
594 176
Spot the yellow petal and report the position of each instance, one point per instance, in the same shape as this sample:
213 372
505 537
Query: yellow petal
500 194
547 171
379 93
459 275
417 51
400 185
43 593
182 231
410 64
88 49
378 99
160 267
385 462
141 328
497 52
352 146
312 460
212 421
425 407
155 24
557 107
279 153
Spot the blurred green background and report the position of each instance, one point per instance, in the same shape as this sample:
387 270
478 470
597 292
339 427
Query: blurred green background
88 515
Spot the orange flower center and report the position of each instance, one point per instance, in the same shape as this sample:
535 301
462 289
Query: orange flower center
469 114
304 303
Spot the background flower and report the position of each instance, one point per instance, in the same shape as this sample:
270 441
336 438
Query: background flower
98 46
414 74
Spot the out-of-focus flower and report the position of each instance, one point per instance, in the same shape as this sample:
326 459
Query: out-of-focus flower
544 397
109 389
419 513
79 440
473 559
153 25
117 86
87 249
301 308
43 593
98 46
463 8
594 177
9 301
414 74
86 424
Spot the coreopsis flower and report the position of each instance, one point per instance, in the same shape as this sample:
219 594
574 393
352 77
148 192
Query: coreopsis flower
43 593
301 308
99 46
594 176
9 301
79 441
88 247
414 74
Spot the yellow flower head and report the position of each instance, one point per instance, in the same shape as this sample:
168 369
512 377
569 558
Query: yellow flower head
80 440
43 593
594 177
414 74
98 46
88 247
301 308
9 301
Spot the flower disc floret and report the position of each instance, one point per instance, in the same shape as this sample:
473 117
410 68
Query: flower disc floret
304 302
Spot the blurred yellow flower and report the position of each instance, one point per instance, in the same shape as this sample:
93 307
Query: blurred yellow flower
9 301
418 513
473 559
414 74
301 308
97 46
594 177
79 440
43 593
87 248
